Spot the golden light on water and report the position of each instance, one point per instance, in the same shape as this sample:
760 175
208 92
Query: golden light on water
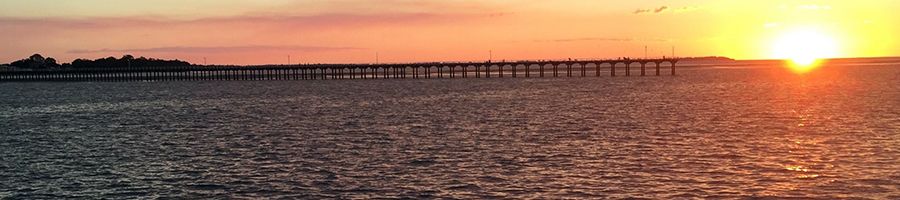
803 65
804 48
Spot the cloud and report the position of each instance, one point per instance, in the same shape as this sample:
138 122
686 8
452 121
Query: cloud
221 49
326 20
660 9
604 39
278 13
663 9
656 10
641 11
585 39
395 6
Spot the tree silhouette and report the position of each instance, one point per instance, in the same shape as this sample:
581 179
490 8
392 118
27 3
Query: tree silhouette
38 61
51 63
37 58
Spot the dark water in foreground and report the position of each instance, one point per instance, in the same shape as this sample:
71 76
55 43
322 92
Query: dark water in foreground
714 132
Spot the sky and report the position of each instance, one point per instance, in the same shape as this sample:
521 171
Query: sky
361 31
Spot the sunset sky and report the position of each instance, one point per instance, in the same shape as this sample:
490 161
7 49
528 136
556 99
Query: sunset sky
332 31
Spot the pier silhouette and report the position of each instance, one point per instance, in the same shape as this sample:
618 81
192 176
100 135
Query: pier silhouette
488 69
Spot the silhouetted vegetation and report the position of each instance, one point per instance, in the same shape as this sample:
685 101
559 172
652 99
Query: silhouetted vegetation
38 61
126 61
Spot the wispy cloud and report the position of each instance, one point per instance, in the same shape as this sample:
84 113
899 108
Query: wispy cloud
603 39
655 10
221 49
342 20
663 9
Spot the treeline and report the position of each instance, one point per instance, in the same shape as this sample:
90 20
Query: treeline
37 61
126 61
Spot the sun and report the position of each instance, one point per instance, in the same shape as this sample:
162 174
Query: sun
804 48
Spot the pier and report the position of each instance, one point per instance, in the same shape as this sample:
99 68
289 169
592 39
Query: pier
514 69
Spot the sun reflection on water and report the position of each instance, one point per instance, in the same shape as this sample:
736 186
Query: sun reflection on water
808 176
806 159
796 168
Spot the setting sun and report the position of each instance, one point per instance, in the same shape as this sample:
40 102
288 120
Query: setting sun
804 48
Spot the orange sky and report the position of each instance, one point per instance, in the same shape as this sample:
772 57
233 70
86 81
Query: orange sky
330 31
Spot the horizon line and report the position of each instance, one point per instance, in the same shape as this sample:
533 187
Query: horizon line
495 60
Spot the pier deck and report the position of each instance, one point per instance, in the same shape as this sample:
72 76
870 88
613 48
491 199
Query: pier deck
585 68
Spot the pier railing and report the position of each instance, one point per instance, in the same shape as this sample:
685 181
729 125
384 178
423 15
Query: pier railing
586 68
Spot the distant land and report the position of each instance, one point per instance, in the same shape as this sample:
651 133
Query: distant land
725 61
39 62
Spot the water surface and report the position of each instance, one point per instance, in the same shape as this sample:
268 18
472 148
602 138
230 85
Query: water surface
706 133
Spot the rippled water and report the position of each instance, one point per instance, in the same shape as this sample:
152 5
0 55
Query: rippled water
709 132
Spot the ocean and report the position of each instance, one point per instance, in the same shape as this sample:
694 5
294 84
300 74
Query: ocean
708 132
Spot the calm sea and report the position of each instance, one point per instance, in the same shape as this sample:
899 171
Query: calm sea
731 132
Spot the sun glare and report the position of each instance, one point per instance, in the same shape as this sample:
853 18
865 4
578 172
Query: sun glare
804 48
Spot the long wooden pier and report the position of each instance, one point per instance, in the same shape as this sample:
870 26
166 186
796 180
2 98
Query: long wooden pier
586 68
